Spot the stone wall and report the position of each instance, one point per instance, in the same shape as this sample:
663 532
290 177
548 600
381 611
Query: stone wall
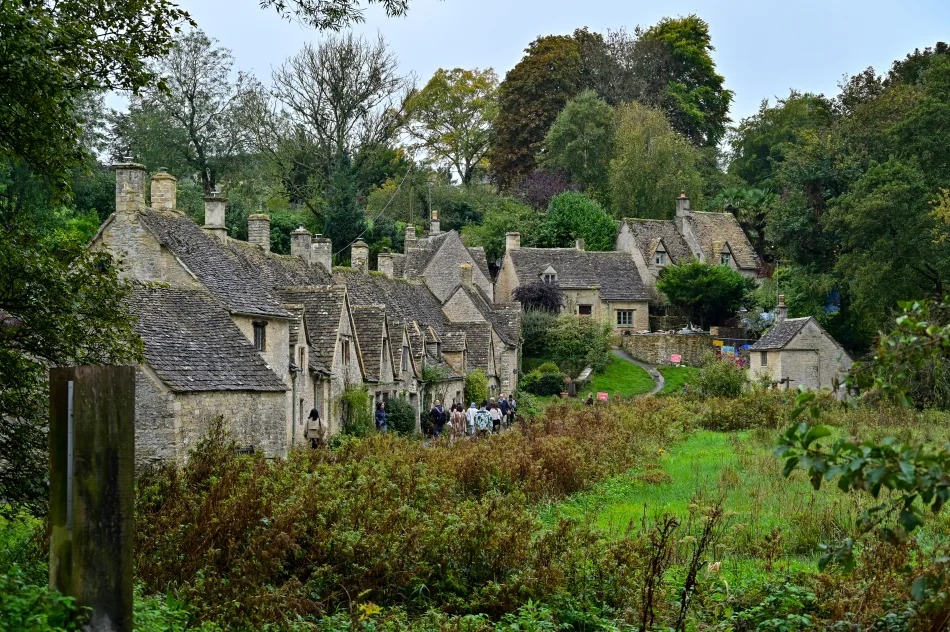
253 418
156 436
657 348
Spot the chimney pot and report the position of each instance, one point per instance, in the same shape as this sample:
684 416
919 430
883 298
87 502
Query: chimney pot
781 311
434 227
258 230
466 274
409 240
129 186
512 241
321 252
163 191
359 256
300 243
214 216
384 263
682 205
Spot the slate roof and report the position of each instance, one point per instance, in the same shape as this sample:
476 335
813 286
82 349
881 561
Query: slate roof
278 270
714 229
420 256
481 259
504 317
780 334
647 234
234 284
323 308
193 345
478 344
613 272
453 342
404 301
369 320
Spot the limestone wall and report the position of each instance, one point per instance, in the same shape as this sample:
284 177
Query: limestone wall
657 348
253 418
156 435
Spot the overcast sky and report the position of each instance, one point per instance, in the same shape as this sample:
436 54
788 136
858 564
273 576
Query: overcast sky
763 48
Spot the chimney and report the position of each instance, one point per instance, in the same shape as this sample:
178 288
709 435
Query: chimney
434 224
321 252
163 191
384 263
579 244
682 205
410 239
781 311
359 256
129 186
512 241
300 243
214 214
466 274
258 230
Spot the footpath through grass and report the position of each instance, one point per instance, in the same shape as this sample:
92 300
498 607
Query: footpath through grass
620 376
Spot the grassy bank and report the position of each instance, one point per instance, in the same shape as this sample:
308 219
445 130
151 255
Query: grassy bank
621 378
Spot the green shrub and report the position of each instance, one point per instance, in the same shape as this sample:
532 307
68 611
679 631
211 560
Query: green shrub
720 378
549 367
536 326
544 384
401 416
357 417
528 407
29 607
476 387
23 545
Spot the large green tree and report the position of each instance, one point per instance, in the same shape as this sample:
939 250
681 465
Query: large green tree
574 215
504 216
580 141
451 118
709 294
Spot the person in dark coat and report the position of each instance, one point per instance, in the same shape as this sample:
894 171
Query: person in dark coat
590 400
505 408
381 417
437 419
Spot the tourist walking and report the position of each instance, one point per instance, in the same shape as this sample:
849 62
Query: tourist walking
495 412
482 420
513 406
458 422
472 409
590 400
437 419
381 417
505 409
314 432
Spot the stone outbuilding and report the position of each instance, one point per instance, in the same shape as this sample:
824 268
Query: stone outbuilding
798 352
602 285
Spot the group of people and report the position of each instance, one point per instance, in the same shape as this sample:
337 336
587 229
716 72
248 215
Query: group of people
491 417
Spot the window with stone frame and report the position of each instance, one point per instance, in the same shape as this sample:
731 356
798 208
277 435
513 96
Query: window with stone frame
725 258
584 310
763 359
260 335
345 349
660 257
405 358
624 317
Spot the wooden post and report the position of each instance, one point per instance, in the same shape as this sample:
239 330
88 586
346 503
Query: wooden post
92 457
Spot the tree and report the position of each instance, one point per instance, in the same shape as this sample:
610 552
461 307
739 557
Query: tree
694 98
476 386
529 99
191 121
574 215
505 216
580 141
343 221
579 342
335 15
451 118
54 54
652 164
710 294
540 296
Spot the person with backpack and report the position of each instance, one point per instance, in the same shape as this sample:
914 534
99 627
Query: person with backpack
314 431
437 419
482 420
505 409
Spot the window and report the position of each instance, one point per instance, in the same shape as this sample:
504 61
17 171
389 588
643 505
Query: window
625 317
660 258
260 336
725 258
303 358
550 279
405 358
584 310
345 348
763 359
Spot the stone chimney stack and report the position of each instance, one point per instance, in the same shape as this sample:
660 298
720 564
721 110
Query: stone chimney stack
579 244
359 256
682 205
129 186
466 274
214 215
512 241
300 243
258 230
409 241
434 224
781 311
384 263
163 191
321 252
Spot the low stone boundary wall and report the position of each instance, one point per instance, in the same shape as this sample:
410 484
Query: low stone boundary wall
657 348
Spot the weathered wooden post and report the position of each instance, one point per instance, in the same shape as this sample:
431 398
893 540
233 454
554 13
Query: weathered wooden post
92 454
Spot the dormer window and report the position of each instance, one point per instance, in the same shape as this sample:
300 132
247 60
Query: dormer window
725 258
660 258
549 276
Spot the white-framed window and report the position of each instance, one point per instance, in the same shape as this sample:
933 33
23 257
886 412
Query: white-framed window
625 317
725 258
660 257
550 279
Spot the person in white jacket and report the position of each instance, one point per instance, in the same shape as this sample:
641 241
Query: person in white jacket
470 415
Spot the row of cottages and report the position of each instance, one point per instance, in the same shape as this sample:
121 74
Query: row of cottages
233 330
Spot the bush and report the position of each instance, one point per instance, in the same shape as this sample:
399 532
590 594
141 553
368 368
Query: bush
543 384
549 367
28 607
401 416
476 387
720 378
536 327
579 342
528 407
357 418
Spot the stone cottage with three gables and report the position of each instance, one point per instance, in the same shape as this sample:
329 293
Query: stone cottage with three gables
233 330
597 284
714 238
798 352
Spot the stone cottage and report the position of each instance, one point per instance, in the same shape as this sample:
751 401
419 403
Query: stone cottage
714 238
597 284
798 352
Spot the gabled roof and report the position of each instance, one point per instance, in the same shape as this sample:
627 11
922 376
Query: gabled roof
717 228
613 273
478 345
234 284
453 342
193 345
278 270
419 257
405 302
504 317
780 334
369 321
323 309
648 233
481 259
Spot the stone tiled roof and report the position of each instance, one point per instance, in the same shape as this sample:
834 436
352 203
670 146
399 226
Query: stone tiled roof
448 372
716 228
780 334
405 302
233 283
193 345
477 343
648 232
295 330
453 341
399 265
504 317
481 259
323 308
278 270
419 257
369 320
613 272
